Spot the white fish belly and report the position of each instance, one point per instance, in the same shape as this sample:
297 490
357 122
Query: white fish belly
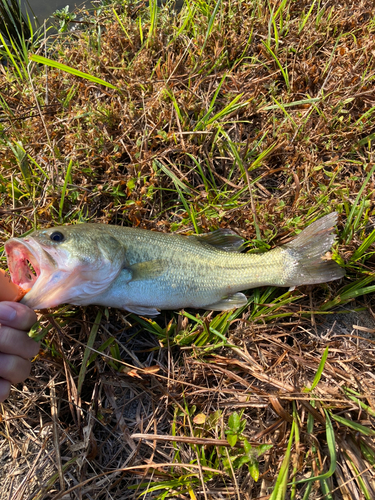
162 294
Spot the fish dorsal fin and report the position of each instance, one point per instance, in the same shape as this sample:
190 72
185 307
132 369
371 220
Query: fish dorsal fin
222 239
229 302
147 270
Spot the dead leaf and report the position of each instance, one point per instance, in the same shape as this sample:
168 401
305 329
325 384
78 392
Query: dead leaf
199 419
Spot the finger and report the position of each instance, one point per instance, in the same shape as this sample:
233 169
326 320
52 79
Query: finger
4 389
14 368
17 342
16 315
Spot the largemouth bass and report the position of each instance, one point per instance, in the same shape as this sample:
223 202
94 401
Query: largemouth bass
144 271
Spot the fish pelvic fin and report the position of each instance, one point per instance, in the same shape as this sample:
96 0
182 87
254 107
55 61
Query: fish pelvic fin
308 260
142 310
230 302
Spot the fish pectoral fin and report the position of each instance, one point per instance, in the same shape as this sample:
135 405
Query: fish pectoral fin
142 311
230 302
147 270
222 239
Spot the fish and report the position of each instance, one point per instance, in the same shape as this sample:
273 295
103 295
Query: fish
144 271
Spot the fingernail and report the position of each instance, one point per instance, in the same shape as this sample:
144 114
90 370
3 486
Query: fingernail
7 313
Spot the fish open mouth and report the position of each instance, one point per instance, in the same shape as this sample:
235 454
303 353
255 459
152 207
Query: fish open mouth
23 263
35 270
51 275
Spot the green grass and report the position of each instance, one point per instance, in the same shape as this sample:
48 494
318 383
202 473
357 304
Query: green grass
252 116
19 34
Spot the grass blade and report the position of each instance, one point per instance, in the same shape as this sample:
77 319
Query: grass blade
69 69
211 23
203 121
354 425
319 372
279 490
331 442
88 352
306 18
359 253
63 192
350 292
349 221
170 174
302 102
284 71
153 20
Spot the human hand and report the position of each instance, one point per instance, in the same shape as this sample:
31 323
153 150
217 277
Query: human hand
16 347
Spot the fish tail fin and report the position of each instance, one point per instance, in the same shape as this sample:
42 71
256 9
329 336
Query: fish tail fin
310 261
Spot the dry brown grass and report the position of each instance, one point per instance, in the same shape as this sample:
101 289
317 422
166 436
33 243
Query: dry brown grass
133 154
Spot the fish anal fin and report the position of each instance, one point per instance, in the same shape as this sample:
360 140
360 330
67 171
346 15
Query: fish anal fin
222 239
147 270
142 310
230 302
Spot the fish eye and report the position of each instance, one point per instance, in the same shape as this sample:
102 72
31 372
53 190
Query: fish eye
57 236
